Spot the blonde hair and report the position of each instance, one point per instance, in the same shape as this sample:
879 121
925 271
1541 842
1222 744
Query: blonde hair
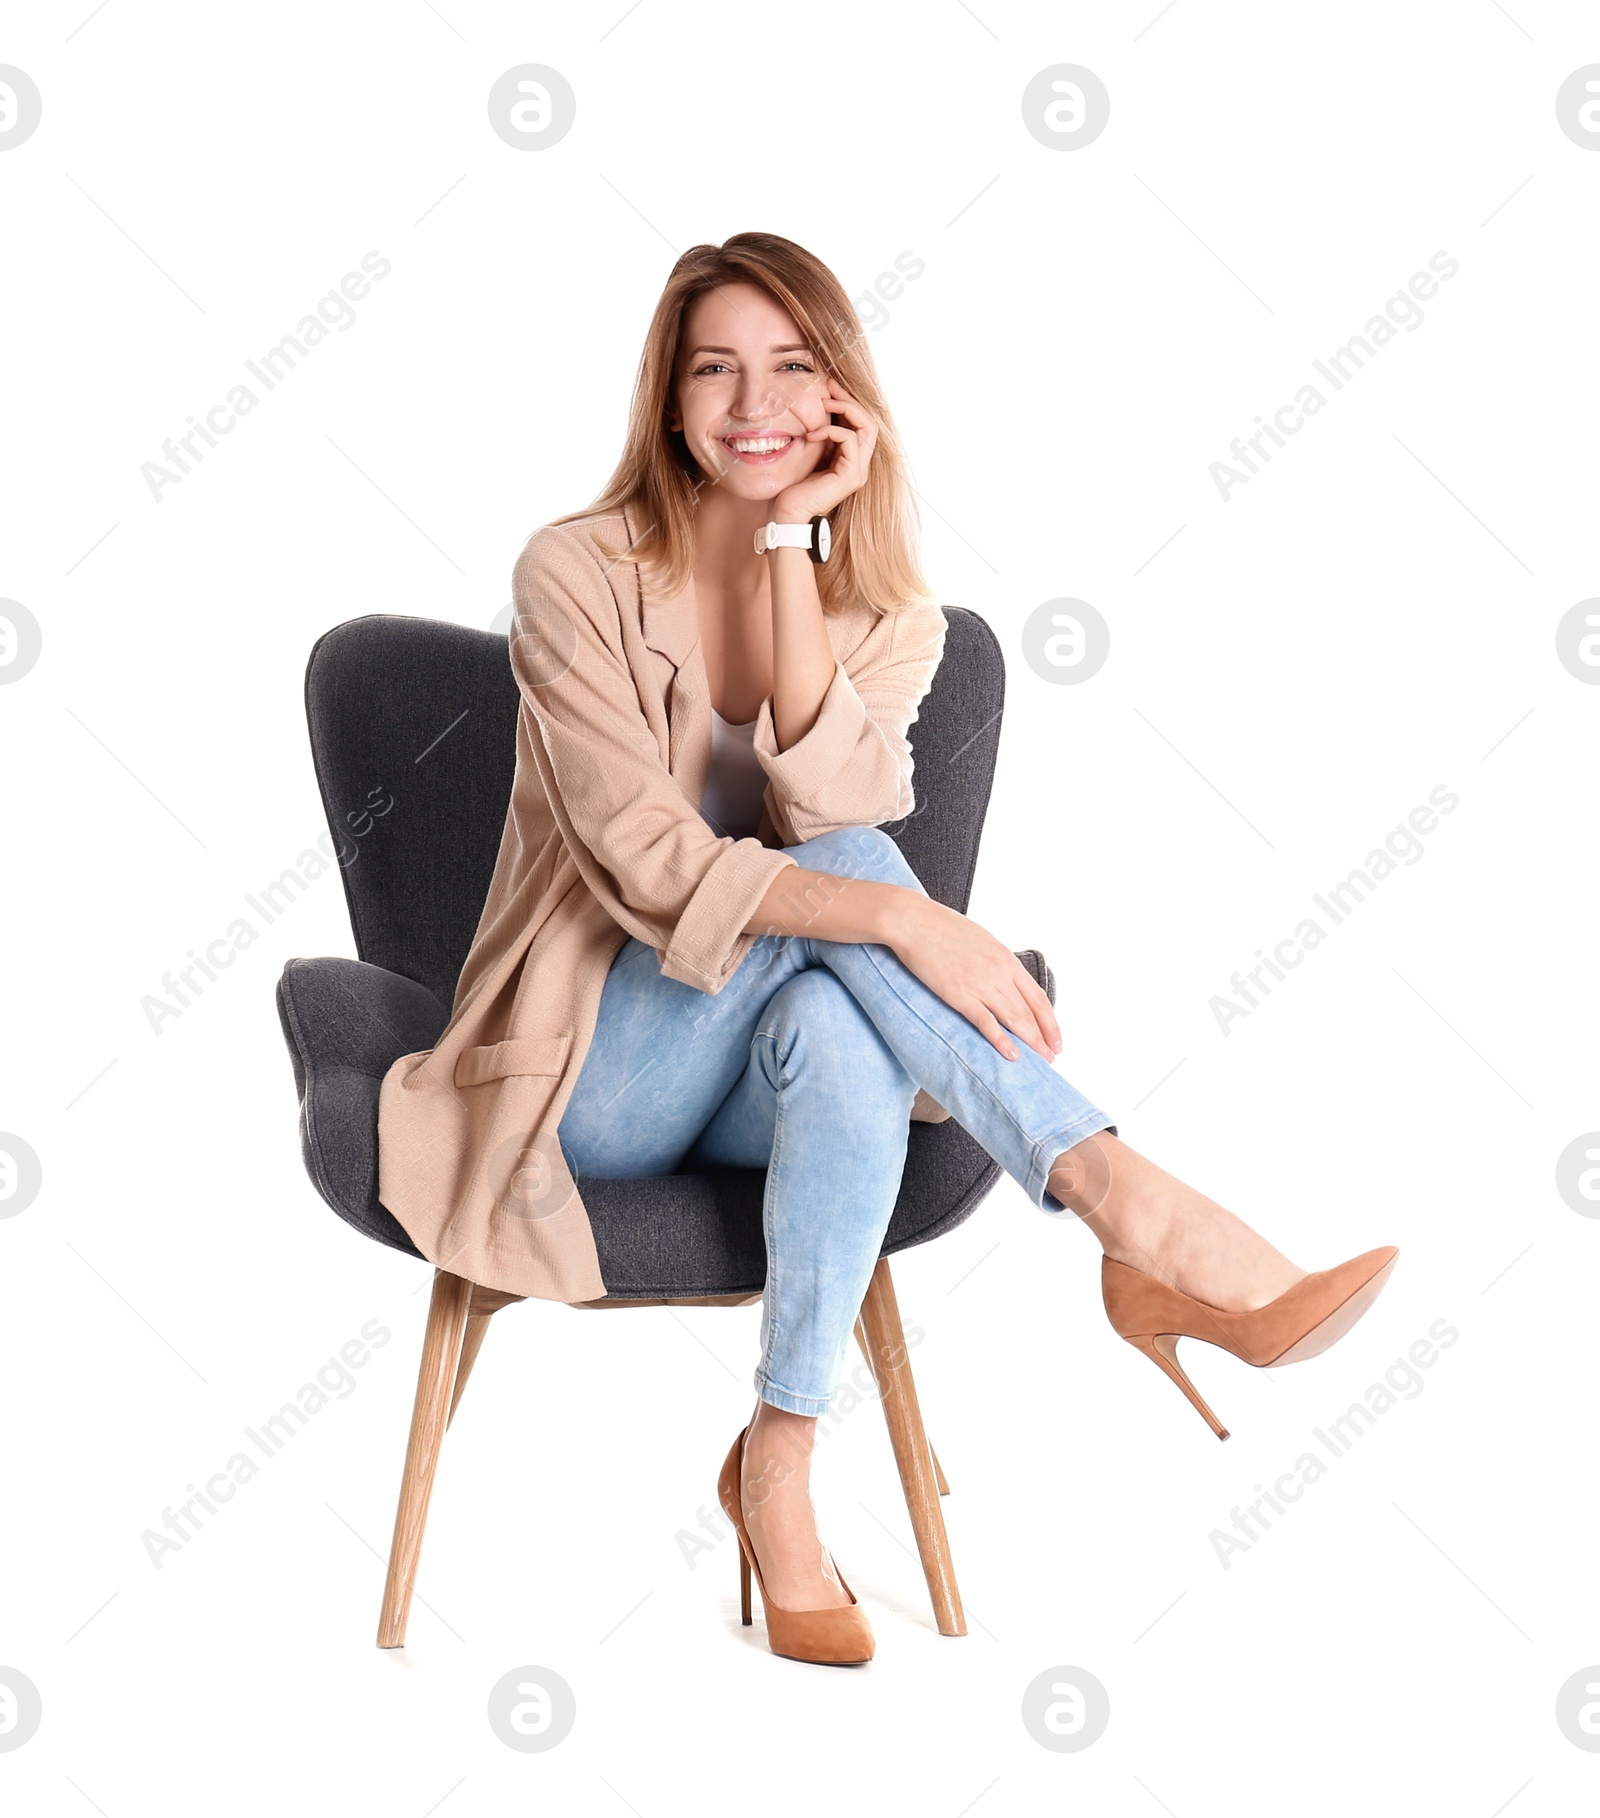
874 529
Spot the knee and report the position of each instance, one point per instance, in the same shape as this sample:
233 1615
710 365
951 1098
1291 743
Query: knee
814 1022
856 852
813 1011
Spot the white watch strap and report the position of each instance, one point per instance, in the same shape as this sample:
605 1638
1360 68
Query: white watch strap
783 536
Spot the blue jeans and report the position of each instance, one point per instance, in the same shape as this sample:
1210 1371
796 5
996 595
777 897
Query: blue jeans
806 1063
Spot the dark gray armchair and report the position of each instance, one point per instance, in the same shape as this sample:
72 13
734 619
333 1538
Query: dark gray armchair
413 737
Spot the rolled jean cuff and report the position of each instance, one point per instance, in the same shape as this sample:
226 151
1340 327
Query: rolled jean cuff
1048 1148
768 1390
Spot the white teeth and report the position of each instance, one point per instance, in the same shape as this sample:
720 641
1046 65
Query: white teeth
758 444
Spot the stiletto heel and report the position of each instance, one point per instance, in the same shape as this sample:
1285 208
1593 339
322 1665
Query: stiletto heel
1163 1348
1302 1322
831 1637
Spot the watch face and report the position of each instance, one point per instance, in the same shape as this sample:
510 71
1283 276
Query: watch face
824 538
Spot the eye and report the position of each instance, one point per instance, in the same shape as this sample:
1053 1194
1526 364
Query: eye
804 365
701 371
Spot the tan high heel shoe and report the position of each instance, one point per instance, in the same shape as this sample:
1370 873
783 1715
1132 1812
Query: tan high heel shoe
835 1637
1304 1320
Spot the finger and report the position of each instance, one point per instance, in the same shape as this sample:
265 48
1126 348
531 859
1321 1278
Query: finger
1017 1011
1020 1020
1043 1009
840 403
988 1025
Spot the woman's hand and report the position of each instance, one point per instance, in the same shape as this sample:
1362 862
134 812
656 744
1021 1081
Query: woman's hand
975 974
852 443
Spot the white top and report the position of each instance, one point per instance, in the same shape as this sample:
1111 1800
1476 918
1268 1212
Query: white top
736 782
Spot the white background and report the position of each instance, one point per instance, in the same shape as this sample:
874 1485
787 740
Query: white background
1371 616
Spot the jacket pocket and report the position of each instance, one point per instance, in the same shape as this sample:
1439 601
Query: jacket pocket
547 1054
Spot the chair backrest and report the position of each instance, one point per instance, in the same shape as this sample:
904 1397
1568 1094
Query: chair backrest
413 737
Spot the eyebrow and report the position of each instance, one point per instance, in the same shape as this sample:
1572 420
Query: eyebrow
787 347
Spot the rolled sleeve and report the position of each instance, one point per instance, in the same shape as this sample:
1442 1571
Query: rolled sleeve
709 941
853 766
812 765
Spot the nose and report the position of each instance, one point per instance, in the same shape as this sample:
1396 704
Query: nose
757 403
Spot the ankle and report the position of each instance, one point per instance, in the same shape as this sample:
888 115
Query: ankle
1117 1194
1140 1214
1086 1178
1145 1236
777 1453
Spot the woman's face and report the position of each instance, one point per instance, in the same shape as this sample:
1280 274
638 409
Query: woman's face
748 388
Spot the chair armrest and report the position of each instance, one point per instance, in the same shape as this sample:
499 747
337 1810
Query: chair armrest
346 1023
1039 971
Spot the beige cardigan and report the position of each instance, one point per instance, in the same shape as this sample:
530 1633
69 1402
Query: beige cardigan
603 840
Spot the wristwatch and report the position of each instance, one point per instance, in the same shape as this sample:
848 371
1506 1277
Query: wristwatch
813 536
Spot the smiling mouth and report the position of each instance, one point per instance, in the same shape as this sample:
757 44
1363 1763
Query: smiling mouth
757 449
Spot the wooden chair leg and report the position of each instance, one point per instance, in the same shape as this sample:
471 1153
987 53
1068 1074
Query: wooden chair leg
485 1302
938 1471
477 1327
441 1352
866 1350
886 1350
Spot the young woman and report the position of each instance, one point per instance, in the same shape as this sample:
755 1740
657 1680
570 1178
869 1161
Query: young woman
719 744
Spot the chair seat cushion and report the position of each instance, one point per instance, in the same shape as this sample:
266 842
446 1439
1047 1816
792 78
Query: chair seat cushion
346 1022
681 1234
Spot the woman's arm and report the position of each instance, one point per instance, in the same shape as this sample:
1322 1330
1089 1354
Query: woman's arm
953 956
640 844
832 739
803 663
852 767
